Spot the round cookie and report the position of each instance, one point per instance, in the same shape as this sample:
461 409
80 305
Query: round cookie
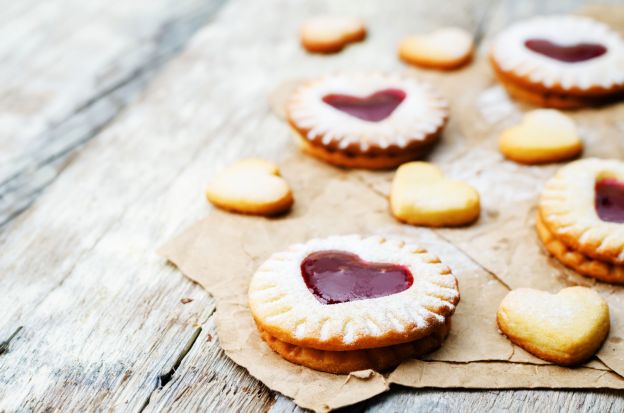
543 136
344 362
371 121
447 48
575 260
583 207
560 61
422 195
352 292
251 186
566 328
330 34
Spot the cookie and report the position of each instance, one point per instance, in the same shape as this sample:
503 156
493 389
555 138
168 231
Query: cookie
566 328
580 263
330 34
422 195
371 121
344 362
543 136
560 61
583 207
445 49
351 293
251 186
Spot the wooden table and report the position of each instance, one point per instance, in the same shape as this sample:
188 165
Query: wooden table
113 116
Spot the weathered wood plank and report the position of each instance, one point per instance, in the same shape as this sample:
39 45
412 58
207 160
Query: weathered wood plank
68 68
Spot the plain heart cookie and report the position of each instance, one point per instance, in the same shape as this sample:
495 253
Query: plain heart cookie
329 34
447 48
251 186
422 195
543 136
566 328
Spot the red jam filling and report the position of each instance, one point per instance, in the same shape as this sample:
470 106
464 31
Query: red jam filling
373 108
339 277
610 200
570 54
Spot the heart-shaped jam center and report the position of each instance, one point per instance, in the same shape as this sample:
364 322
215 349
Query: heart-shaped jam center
338 277
575 53
610 200
372 108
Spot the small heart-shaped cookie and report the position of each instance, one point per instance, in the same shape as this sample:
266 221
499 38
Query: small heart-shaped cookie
251 186
329 34
566 328
447 48
422 195
544 135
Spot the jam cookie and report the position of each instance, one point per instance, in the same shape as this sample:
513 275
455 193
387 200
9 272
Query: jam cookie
566 328
344 362
583 207
422 195
352 293
370 121
543 136
446 49
560 61
251 186
330 34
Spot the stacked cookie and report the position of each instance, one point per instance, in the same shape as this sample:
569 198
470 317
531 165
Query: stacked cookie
372 121
581 216
348 303
560 61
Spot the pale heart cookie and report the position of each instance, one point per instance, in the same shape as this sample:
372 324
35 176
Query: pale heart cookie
251 186
544 135
344 362
446 48
583 207
422 195
560 61
329 34
566 328
372 121
351 293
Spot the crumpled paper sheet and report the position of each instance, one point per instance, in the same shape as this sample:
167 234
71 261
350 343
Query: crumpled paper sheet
499 252
504 239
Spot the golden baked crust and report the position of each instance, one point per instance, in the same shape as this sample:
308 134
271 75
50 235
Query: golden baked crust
282 305
566 328
344 362
580 263
365 161
567 208
345 140
523 90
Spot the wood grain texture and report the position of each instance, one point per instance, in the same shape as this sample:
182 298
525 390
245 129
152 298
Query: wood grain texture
92 319
69 68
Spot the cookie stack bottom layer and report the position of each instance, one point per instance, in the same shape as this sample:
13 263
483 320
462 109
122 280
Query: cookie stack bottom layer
576 260
344 362
525 91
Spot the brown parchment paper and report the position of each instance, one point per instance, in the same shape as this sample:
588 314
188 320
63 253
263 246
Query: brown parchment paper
499 252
